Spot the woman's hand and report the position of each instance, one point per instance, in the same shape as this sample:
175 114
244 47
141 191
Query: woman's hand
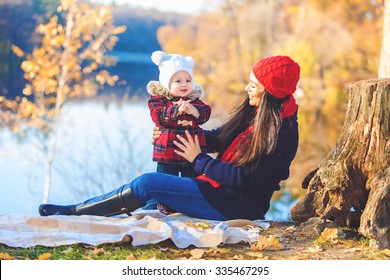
189 147
156 134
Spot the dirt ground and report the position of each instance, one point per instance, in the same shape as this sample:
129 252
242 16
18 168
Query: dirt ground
317 241
313 240
285 241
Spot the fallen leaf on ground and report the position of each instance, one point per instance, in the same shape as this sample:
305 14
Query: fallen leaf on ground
130 257
163 249
202 225
263 243
6 256
330 235
257 255
98 252
290 228
315 249
354 250
199 225
238 257
386 252
44 256
197 253
68 250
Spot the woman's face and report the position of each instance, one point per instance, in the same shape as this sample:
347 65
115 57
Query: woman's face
255 91
181 84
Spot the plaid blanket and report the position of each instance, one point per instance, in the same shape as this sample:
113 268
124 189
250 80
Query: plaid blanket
144 227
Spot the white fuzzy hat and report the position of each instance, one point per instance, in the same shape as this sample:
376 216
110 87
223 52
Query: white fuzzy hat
169 64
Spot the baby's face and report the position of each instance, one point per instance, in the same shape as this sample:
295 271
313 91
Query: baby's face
181 84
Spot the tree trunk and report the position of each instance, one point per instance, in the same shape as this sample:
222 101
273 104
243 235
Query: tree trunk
47 184
352 184
384 62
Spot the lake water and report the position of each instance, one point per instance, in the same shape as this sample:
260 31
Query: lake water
100 146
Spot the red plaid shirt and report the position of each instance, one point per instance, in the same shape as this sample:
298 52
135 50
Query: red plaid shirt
165 114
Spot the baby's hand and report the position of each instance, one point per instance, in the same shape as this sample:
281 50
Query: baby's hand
183 107
190 109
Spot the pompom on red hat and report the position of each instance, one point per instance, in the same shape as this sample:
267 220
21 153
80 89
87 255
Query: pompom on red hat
278 74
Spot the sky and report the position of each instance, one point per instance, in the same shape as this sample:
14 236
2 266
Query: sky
179 6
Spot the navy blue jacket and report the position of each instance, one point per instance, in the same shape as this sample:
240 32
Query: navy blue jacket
246 193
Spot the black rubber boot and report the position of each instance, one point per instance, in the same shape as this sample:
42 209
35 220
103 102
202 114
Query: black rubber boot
119 201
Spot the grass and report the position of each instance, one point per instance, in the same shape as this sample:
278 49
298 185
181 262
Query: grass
80 252
292 243
162 251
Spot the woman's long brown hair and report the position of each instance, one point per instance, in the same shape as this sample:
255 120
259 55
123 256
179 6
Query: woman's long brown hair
266 124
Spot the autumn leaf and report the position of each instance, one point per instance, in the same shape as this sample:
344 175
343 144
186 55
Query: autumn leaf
290 228
27 66
199 225
386 252
330 235
315 249
44 256
6 256
354 250
238 257
119 29
257 255
269 243
17 51
202 225
63 67
197 254
98 252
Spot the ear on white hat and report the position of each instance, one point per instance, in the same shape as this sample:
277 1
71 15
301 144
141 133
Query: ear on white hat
190 61
158 57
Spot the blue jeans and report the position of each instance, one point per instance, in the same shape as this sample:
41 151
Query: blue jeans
180 193
173 169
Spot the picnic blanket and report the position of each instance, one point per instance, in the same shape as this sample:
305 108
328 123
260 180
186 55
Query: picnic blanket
144 227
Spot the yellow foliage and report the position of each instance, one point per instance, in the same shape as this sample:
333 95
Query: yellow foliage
6 256
202 225
44 256
66 62
119 30
197 254
27 91
330 235
199 225
98 251
27 66
65 5
17 51
26 108
266 243
334 44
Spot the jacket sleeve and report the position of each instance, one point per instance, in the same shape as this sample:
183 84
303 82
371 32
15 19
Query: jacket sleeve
203 109
270 168
162 113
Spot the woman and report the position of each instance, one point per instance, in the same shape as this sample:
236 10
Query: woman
256 147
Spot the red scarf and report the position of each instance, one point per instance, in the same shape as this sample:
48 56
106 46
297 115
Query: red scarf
289 107
229 155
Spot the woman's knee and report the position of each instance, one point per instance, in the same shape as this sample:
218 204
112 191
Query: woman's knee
145 182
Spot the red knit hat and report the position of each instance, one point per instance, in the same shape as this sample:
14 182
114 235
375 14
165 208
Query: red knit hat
278 74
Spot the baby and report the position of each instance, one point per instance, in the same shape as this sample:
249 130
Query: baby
175 107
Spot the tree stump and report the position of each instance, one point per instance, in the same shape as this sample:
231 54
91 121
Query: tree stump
352 184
